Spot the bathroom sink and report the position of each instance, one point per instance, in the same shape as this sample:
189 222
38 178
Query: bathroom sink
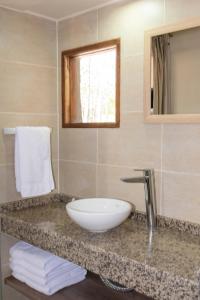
98 214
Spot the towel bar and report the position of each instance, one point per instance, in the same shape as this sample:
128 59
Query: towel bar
9 131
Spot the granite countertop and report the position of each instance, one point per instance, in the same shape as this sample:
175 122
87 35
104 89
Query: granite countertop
165 265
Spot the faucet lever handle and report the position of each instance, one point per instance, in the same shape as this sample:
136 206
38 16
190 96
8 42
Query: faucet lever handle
144 170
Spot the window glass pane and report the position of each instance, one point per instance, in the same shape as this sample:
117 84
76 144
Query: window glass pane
94 87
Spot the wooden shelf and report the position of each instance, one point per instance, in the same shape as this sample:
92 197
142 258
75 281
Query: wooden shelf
89 289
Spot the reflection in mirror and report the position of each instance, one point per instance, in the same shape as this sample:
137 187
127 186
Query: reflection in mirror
175 72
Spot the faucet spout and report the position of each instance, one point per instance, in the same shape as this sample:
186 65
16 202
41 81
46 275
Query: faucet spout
148 180
134 180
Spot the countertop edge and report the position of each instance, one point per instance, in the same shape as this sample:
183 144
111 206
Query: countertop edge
143 278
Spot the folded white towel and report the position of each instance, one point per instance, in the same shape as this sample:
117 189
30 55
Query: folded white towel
42 260
16 264
42 270
33 169
51 289
19 245
66 272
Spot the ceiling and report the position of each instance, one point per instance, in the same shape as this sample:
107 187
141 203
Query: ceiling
54 9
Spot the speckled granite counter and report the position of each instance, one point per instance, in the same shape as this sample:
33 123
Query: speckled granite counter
163 266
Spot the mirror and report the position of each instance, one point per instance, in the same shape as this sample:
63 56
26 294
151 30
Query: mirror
172 73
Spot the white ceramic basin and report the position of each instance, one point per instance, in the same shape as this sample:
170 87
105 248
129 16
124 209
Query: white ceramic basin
98 214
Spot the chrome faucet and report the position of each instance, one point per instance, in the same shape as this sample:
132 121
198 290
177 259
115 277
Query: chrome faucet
150 195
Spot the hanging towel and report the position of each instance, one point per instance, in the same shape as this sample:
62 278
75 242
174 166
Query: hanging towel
33 169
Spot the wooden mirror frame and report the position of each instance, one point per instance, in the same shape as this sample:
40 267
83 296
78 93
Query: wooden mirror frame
167 118
66 86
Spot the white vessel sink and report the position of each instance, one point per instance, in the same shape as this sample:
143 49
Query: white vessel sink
98 214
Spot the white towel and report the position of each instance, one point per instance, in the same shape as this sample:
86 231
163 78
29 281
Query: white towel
48 289
42 260
33 169
19 264
42 270
53 278
19 246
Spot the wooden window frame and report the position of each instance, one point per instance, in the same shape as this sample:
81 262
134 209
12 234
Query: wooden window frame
67 86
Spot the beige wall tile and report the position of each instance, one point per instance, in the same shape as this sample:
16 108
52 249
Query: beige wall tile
181 148
26 88
78 31
7 292
5 269
27 95
134 144
27 38
177 10
110 185
55 170
181 196
7 242
10 293
78 179
59 87
132 83
13 120
7 143
7 184
78 144
128 20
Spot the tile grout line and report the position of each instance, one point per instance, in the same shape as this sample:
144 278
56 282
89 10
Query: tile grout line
161 168
97 160
128 167
7 165
131 112
101 164
162 140
27 113
180 173
18 62
53 114
135 55
83 12
97 130
13 163
27 12
67 17
164 16
57 100
97 24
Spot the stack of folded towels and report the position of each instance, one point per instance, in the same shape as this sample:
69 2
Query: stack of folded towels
42 270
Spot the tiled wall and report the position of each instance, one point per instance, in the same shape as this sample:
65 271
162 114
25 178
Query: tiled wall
93 160
28 92
28 96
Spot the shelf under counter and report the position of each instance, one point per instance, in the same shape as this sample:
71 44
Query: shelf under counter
89 289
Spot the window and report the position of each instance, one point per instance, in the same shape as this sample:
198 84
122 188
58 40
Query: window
91 85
